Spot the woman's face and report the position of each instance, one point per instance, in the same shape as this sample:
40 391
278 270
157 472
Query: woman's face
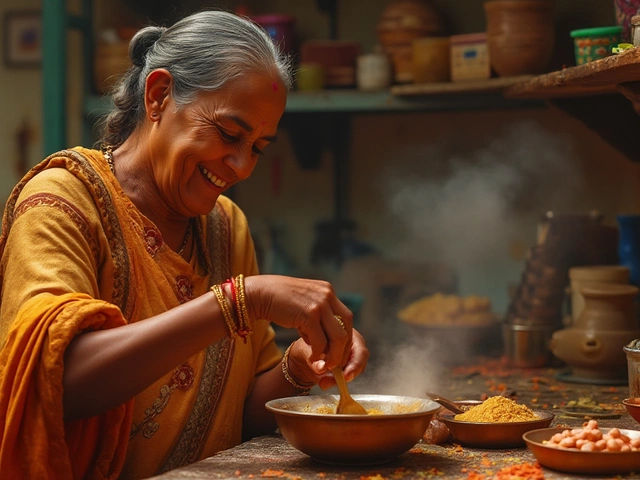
202 149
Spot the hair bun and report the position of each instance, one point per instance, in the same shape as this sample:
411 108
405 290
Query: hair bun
141 42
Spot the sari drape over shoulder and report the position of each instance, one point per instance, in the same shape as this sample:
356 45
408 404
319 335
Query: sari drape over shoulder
77 255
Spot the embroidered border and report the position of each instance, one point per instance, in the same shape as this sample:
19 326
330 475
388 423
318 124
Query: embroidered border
217 359
182 379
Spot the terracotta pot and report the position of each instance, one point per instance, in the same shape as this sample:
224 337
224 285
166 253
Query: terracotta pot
588 275
593 353
520 35
608 306
594 346
401 22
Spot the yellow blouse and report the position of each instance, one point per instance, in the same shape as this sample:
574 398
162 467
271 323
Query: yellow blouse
76 254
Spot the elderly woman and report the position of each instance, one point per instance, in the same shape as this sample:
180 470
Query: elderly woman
135 328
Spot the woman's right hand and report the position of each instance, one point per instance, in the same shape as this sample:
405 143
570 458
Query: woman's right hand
310 306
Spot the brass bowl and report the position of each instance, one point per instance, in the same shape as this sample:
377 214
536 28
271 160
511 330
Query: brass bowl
397 425
574 461
493 435
633 407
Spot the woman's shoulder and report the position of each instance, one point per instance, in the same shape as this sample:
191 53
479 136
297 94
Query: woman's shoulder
54 181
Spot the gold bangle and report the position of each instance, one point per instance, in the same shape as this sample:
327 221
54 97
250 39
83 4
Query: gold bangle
226 311
244 327
285 370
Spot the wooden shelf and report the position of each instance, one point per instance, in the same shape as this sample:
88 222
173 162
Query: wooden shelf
594 93
594 78
442 97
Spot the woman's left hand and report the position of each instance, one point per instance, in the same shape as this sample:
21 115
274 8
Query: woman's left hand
305 371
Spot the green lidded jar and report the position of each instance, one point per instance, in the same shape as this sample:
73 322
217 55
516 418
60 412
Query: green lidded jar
595 43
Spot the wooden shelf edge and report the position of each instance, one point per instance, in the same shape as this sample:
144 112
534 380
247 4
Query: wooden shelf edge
593 78
469 86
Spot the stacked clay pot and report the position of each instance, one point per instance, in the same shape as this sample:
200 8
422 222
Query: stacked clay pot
520 36
401 22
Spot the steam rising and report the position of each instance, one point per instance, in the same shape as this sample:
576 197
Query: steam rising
476 202
463 209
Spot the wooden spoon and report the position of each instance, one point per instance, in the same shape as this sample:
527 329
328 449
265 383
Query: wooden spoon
446 403
346 405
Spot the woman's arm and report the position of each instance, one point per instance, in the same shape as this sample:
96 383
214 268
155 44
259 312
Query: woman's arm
105 368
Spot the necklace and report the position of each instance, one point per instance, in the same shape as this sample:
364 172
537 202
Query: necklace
107 153
187 237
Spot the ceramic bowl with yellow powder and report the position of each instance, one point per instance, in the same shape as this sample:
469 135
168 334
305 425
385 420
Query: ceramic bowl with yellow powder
498 422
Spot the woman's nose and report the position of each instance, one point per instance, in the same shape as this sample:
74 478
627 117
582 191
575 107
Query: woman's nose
242 164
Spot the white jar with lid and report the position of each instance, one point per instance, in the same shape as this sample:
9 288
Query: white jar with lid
373 70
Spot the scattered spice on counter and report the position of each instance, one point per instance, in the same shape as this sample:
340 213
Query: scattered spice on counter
498 409
521 471
269 473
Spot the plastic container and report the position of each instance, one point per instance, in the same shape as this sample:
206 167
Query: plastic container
628 245
469 57
595 43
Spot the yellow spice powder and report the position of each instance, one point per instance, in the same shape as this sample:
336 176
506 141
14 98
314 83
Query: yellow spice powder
498 409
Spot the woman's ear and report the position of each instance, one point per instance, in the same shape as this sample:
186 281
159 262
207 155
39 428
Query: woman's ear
157 91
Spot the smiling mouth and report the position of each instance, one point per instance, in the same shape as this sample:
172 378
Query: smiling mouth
212 178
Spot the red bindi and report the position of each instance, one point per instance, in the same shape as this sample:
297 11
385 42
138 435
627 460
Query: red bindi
274 85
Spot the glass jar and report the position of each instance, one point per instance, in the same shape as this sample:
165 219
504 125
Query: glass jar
633 363
635 30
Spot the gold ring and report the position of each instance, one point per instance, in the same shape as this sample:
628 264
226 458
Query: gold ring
339 320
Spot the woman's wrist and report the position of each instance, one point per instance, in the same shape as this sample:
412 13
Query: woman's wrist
231 297
303 387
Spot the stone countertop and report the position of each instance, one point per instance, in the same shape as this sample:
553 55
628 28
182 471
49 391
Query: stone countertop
271 456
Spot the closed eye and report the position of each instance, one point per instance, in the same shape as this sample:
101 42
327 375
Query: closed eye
227 137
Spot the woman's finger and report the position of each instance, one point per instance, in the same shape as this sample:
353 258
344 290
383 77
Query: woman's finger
314 335
337 336
357 361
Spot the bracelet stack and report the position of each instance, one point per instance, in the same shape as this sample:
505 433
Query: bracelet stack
236 316
304 389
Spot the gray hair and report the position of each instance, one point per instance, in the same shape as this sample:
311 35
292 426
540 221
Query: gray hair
203 52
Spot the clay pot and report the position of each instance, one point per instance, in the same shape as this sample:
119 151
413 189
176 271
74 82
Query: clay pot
401 22
592 353
608 306
593 346
588 275
520 35
111 60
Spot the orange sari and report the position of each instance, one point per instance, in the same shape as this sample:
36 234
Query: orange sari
77 255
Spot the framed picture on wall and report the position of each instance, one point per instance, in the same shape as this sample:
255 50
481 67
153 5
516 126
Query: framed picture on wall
22 38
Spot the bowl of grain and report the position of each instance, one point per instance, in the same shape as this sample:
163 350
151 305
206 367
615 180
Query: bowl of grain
498 422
